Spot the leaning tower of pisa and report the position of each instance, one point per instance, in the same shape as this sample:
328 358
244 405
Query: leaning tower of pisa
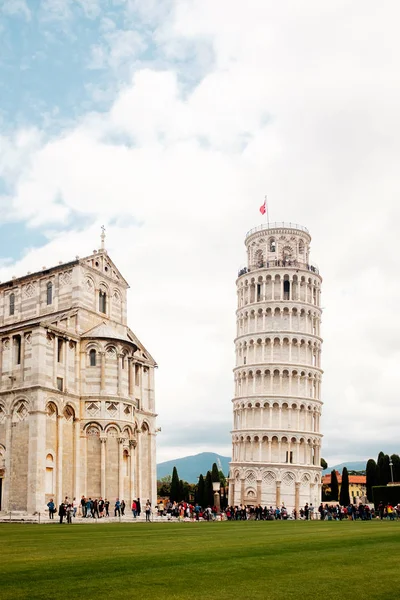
276 435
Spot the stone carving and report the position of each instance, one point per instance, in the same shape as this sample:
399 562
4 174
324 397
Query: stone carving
288 479
93 408
93 431
112 408
269 477
65 278
29 290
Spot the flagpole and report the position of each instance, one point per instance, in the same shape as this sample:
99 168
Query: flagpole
267 211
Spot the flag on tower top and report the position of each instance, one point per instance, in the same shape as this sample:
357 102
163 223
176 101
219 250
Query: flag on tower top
263 208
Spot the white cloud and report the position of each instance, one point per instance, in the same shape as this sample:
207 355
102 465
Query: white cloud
15 8
300 102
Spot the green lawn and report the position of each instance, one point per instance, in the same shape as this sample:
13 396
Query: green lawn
246 560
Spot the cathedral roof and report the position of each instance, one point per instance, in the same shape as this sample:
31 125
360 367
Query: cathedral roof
105 331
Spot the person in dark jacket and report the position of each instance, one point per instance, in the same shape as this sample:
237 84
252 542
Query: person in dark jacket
61 511
138 507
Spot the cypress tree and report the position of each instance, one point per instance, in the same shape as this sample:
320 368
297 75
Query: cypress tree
396 467
334 486
200 491
175 487
371 474
215 473
379 468
344 499
208 491
384 469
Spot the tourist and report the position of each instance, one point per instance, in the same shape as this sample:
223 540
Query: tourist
134 509
74 506
148 510
52 508
61 512
106 507
123 507
117 508
83 506
101 507
69 512
138 507
88 507
95 509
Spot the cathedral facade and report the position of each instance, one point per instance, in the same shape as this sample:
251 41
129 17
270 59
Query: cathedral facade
77 408
276 438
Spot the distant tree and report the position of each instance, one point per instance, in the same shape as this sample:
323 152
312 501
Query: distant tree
200 491
344 498
384 475
371 474
164 486
334 486
324 464
175 487
222 479
215 473
208 490
396 467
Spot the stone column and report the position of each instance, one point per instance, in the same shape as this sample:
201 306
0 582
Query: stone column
120 467
7 478
278 493
103 441
119 374
132 445
77 378
102 372
138 466
297 498
77 459
242 490
22 361
66 364
130 377
258 491
36 461
60 496
231 492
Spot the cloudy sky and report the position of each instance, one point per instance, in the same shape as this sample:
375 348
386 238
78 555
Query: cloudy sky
168 121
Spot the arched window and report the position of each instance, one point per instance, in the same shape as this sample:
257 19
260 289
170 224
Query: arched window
12 304
92 358
102 301
49 296
272 245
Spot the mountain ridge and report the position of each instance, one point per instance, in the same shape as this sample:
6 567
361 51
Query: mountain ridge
190 467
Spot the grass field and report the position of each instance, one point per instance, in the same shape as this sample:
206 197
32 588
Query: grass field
247 560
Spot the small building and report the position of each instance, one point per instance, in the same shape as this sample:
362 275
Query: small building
357 485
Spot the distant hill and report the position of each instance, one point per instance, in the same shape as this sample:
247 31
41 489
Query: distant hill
358 465
190 467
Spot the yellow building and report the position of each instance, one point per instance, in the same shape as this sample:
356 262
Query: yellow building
357 485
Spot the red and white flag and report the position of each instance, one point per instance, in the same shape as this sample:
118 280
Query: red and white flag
263 208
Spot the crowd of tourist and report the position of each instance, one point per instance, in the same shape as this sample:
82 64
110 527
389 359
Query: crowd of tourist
185 511
95 508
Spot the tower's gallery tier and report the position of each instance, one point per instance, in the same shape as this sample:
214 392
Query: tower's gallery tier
277 405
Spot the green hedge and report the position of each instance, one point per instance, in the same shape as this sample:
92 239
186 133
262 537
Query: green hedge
386 494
